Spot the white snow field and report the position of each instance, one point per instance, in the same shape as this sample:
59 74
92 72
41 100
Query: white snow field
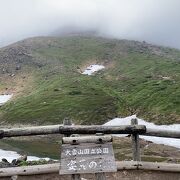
10 155
158 140
5 98
92 69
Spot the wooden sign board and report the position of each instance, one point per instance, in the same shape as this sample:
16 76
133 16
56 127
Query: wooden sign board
87 158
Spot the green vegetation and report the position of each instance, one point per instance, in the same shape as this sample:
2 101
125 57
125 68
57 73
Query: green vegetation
138 79
32 163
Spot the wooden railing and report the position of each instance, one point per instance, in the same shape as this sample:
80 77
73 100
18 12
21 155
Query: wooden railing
66 130
124 165
134 129
77 129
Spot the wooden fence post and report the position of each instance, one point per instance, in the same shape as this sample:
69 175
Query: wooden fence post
100 176
68 122
14 177
135 143
76 177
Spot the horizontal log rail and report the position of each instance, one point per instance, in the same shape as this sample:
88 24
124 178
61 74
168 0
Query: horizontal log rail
54 168
87 139
60 129
150 166
162 133
123 129
30 131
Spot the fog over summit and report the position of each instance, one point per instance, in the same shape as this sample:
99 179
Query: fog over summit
150 20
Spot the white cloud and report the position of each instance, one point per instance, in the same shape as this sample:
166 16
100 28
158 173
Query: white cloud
150 20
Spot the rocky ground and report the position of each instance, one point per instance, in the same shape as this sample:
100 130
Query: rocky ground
22 161
149 151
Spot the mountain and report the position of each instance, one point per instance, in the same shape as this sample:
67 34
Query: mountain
44 74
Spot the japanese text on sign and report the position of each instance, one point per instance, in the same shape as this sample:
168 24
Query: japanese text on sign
88 151
87 158
81 165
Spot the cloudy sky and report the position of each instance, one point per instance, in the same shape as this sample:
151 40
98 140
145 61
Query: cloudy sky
155 21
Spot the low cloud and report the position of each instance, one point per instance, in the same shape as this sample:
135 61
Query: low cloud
150 20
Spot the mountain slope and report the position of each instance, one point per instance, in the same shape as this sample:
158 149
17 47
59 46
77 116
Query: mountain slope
44 75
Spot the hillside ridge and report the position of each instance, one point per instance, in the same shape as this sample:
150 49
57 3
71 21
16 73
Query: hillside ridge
44 74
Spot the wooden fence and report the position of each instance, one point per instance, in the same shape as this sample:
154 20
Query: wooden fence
61 129
67 129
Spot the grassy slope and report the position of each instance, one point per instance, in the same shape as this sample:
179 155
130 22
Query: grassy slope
131 83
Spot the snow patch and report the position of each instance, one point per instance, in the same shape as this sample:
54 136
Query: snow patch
92 69
10 155
5 98
158 140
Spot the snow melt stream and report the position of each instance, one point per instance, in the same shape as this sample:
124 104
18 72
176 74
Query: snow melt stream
92 69
158 140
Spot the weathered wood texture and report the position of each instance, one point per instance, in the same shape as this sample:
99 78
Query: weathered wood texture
60 129
87 139
30 170
14 177
87 158
135 143
68 122
93 129
28 131
76 177
84 166
162 133
120 175
166 167
123 165
100 176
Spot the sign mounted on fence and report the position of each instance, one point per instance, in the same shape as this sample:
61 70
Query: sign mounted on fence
87 158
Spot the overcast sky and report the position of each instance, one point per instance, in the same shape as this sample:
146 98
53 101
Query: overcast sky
155 21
